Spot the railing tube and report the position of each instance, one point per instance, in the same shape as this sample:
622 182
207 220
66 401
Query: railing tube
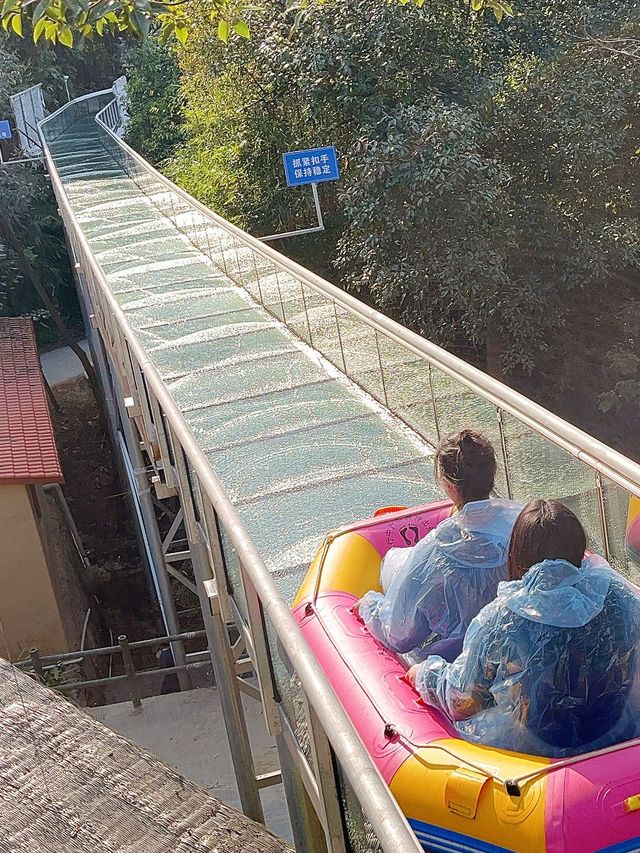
36 663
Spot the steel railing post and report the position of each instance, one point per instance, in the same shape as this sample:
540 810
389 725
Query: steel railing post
130 671
261 653
602 510
381 367
308 834
228 687
34 655
219 648
505 453
322 757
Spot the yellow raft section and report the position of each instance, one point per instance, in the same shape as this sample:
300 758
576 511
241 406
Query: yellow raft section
457 789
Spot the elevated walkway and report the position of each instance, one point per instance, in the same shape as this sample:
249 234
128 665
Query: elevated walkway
299 448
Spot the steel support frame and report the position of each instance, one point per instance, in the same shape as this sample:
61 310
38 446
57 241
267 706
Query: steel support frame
223 663
133 467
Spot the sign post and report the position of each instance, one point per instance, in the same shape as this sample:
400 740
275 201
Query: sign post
5 133
311 166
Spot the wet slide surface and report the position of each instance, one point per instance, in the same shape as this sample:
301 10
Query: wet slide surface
299 447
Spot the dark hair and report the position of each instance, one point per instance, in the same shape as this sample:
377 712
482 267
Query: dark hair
545 530
468 461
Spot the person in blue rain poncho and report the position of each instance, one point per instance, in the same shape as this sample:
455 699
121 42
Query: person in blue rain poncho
550 667
432 593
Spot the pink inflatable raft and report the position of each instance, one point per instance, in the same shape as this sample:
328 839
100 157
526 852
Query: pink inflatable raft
458 796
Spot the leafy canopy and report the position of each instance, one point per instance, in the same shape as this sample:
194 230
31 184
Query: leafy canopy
27 202
70 22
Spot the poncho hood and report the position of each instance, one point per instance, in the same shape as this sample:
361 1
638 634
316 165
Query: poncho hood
557 593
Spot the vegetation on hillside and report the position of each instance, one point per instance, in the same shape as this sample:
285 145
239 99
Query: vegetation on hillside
156 101
74 22
35 277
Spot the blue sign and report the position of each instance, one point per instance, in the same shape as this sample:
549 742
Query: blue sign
312 166
5 129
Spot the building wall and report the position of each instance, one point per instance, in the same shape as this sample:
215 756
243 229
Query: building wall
65 570
29 614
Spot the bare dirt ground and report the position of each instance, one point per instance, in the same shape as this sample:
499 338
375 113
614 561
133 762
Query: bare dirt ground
117 582
99 502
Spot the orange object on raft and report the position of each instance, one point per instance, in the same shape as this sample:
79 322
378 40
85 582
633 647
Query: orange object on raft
632 539
457 795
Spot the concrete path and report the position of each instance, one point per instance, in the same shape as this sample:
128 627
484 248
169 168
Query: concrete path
61 365
186 731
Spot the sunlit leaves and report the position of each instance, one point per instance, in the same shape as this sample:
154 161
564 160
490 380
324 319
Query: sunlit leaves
70 22
241 29
65 37
499 9
38 29
223 30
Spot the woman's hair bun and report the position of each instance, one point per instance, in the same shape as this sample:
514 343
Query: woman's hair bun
468 461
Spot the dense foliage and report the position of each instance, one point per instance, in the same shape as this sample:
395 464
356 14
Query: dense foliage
155 125
32 246
489 172
69 22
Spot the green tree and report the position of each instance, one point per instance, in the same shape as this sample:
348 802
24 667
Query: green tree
70 22
34 267
155 101
35 276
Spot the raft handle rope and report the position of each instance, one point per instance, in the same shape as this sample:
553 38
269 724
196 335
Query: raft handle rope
576 759
513 787
391 732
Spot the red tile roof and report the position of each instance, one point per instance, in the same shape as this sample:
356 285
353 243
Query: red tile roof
28 452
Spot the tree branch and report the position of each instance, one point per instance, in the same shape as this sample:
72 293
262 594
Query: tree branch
33 276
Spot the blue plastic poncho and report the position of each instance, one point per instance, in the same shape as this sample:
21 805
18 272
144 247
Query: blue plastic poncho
445 580
549 667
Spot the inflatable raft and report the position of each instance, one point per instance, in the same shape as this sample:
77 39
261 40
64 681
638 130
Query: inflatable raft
458 796
632 540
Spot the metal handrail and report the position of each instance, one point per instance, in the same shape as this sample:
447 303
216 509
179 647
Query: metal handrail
66 657
77 100
40 664
584 447
381 808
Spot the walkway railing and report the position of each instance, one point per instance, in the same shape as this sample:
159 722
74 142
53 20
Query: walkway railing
428 388
48 667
